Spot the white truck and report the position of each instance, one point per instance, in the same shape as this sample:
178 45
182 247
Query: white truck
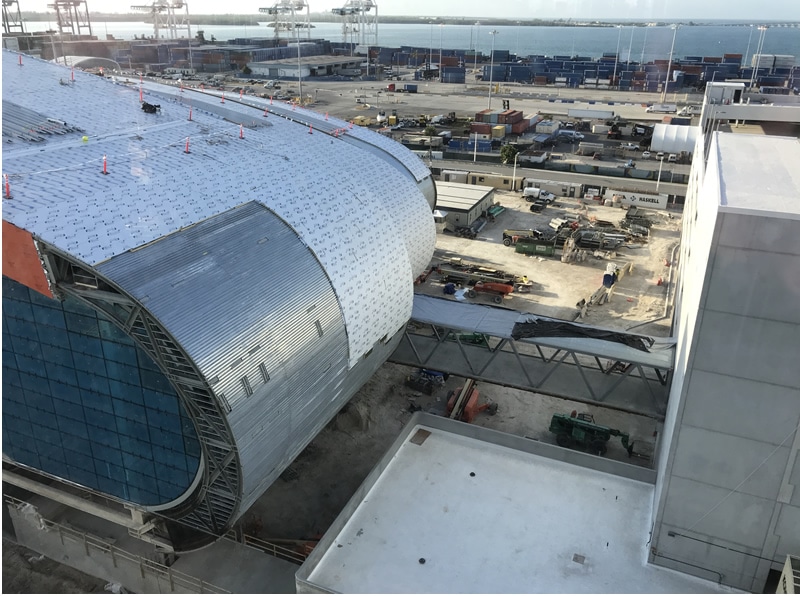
663 108
689 110
531 194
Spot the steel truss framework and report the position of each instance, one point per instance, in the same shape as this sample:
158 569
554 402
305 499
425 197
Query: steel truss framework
12 17
533 365
359 22
289 17
167 16
72 16
215 504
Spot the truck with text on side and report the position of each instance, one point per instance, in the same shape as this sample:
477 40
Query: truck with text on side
662 108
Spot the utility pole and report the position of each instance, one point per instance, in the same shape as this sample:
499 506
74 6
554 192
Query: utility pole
493 32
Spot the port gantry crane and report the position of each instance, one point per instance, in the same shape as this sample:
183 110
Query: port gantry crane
289 17
169 15
72 16
12 18
359 22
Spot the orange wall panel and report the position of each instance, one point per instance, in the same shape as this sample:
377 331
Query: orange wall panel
21 261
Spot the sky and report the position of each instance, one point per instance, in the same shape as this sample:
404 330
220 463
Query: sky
750 10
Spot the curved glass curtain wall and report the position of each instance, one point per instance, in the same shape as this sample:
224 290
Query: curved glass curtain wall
82 402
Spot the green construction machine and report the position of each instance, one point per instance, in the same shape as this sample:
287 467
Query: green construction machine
579 431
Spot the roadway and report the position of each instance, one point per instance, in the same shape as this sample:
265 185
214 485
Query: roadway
627 184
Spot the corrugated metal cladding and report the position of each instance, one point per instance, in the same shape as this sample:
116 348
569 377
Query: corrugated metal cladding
250 304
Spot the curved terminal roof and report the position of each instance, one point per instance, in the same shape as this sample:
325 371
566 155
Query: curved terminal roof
263 255
356 221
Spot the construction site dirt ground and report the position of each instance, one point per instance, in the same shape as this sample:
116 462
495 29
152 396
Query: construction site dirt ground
558 287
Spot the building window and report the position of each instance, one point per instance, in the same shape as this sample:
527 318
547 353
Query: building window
83 402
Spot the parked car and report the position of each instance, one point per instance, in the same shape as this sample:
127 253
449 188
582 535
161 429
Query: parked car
660 155
672 158
646 155
630 146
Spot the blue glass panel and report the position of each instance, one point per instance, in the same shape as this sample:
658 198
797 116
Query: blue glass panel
18 310
83 325
18 327
118 352
38 299
85 344
57 355
50 317
54 336
74 404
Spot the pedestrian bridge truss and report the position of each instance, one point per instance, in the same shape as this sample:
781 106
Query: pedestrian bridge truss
578 362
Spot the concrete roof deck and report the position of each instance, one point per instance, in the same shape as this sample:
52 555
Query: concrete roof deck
771 193
457 508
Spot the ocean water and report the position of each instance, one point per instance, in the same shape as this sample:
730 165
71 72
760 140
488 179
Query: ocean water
640 43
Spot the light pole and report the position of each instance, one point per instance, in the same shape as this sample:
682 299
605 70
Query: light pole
644 44
747 51
430 52
441 30
630 45
514 176
300 71
669 64
477 41
616 56
660 165
493 32
759 49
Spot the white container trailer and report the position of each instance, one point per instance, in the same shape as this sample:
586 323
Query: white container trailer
588 114
663 108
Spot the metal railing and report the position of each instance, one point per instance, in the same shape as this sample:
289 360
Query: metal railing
176 579
298 554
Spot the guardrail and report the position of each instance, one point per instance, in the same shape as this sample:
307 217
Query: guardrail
176 579
298 554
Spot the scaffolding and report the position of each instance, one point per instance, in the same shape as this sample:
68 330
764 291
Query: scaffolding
72 16
359 22
291 16
12 18
171 16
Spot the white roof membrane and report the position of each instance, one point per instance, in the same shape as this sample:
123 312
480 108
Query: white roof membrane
364 218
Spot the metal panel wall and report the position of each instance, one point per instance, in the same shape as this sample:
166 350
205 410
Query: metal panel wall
251 305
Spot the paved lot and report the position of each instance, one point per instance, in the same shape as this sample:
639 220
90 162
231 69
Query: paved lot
558 286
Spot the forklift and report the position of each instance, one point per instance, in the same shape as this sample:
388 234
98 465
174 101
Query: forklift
582 432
